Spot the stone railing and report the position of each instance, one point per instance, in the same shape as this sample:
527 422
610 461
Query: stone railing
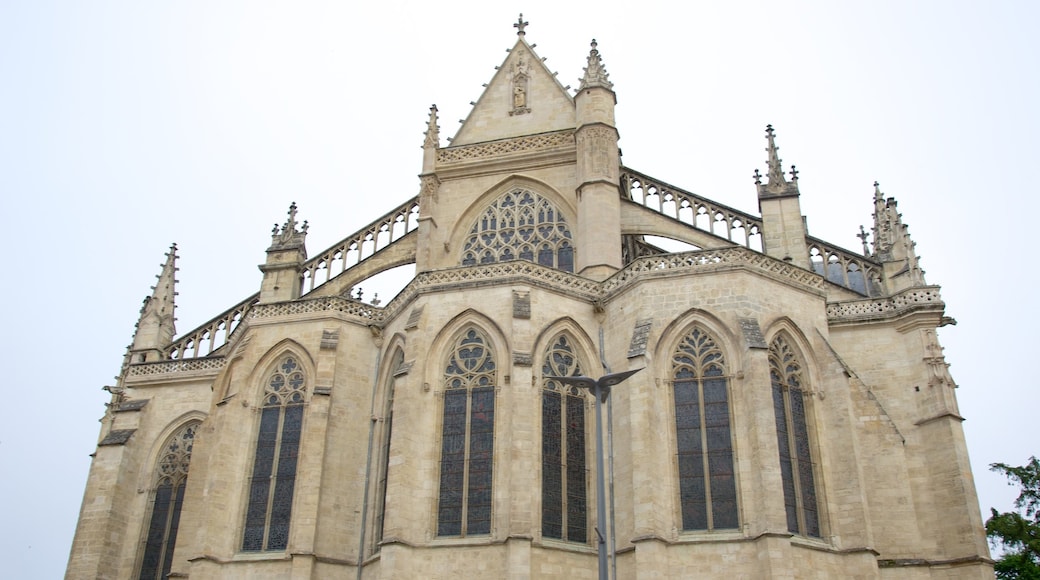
213 363
213 334
853 271
347 306
879 308
703 214
363 244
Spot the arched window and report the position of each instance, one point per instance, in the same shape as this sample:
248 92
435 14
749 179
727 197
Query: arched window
274 465
467 438
384 451
707 484
564 497
792 437
171 475
520 225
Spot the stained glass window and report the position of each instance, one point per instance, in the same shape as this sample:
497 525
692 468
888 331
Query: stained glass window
564 483
171 475
520 225
274 464
792 437
467 438
707 479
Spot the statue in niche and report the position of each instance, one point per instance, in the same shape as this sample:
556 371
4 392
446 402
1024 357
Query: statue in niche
520 77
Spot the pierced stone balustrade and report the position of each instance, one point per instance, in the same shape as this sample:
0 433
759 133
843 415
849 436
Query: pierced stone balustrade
213 334
360 246
683 206
857 273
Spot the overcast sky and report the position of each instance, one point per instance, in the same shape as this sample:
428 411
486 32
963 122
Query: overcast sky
126 126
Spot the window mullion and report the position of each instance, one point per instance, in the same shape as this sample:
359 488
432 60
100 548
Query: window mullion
792 443
273 477
705 464
465 463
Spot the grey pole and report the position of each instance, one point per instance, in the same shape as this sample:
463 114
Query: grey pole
600 388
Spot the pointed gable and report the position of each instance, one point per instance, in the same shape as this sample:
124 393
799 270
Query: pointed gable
523 98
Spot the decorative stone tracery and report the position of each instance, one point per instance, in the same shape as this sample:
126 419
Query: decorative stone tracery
520 225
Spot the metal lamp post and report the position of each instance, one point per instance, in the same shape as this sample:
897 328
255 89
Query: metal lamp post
600 389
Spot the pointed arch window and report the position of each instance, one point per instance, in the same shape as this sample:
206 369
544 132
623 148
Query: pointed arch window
467 438
384 453
274 464
171 475
707 482
792 434
564 484
520 225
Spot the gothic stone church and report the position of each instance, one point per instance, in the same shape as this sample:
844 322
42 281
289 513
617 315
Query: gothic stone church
793 418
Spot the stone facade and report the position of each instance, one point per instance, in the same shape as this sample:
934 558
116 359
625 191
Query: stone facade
846 459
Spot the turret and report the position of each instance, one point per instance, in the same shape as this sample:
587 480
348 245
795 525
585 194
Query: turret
893 246
285 258
783 235
599 161
156 325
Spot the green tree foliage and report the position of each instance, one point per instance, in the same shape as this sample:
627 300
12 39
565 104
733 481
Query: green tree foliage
1018 534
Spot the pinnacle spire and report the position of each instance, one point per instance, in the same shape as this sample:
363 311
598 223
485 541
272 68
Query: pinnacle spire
595 72
288 236
432 131
892 243
775 184
156 325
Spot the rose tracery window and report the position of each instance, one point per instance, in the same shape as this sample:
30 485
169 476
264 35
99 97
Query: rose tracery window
274 465
707 484
792 437
171 476
520 225
564 497
467 438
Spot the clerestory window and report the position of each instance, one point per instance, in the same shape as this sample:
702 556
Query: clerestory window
274 464
564 484
171 475
707 483
467 437
520 225
792 437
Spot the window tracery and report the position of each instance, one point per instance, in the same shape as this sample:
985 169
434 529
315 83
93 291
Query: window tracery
564 485
467 438
274 464
792 435
171 475
707 482
520 225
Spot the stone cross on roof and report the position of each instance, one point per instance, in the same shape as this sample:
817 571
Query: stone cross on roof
520 25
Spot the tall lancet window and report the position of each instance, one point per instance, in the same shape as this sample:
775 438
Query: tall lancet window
467 437
564 500
384 451
520 225
792 437
171 475
274 465
707 484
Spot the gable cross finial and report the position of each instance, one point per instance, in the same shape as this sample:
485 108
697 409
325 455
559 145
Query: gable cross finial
520 25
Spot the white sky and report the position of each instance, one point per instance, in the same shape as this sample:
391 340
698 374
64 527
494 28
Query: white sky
125 126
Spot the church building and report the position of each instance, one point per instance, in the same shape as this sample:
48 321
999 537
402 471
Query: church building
790 412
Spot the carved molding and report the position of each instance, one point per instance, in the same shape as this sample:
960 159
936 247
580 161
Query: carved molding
543 142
